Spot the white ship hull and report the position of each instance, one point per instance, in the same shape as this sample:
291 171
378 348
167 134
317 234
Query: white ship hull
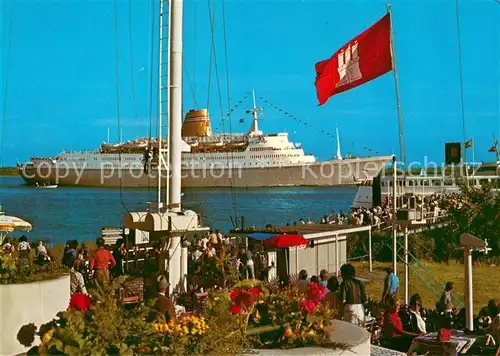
329 173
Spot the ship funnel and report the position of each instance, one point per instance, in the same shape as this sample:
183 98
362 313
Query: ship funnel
197 123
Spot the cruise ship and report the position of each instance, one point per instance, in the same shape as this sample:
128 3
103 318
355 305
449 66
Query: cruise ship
251 159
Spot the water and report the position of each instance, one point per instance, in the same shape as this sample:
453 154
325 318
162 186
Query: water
68 213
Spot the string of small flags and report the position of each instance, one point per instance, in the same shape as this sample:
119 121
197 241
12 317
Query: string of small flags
286 113
238 104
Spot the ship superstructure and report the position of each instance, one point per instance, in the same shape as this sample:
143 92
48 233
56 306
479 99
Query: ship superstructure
208 159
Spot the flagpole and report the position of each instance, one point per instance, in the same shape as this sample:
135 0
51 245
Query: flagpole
473 153
396 84
461 80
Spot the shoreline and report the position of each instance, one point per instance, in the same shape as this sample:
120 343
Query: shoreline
9 172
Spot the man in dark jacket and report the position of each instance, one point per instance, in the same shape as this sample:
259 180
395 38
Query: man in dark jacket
352 295
164 304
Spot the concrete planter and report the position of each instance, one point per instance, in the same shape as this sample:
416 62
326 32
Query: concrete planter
36 302
340 332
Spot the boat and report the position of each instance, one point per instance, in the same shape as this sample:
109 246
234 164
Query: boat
427 184
48 186
249 159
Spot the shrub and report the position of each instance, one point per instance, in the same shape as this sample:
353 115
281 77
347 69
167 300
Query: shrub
14 269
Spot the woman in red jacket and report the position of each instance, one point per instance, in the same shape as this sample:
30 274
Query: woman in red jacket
398 338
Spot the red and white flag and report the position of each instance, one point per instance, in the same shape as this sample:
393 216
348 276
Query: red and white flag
365 57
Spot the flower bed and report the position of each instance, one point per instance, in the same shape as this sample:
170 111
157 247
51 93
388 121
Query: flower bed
15 269
250 316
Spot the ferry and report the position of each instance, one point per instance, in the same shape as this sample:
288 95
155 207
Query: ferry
425 185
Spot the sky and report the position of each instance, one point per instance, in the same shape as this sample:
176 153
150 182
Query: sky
59 82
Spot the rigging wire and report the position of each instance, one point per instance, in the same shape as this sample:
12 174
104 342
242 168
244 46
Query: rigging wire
131 54
461 79
192 87
228 160
210 59
233 194
151 82
217 77
117 74
7 77
194 54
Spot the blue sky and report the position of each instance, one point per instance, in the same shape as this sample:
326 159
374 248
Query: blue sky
61 91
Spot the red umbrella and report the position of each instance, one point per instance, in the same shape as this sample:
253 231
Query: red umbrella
285 240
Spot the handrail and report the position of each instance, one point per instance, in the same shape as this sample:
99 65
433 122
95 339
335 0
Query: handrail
421 265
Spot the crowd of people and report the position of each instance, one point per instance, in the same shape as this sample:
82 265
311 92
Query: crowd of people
432 206
211 249
400 323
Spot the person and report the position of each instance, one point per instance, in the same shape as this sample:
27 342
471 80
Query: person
323 276
164 304
391 285
331 298
417 323
70 254
24 247
445 304
303 283
41 254
263 266
250 268
7 246
77 282
494 328
83 253
213 238
219 237
398 338
102 260
352 295
210 250
204 241
119 253
196 255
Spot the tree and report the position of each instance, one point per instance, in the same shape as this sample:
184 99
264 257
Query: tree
477 211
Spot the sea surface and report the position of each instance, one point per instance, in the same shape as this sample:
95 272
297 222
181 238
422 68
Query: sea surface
66 213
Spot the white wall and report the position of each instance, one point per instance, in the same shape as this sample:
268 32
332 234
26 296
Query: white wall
21 304
322 256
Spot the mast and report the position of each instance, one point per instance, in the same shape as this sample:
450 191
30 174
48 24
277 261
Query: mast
339 155
255 111
169 59
396 84
175 103
495 147
160 106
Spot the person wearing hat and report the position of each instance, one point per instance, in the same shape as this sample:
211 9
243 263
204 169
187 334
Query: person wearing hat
164 304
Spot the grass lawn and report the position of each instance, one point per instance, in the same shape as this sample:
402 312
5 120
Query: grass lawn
486 281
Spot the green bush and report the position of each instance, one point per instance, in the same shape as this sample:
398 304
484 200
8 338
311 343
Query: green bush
15 269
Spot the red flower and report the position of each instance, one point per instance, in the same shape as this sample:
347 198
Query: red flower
235 293
308 306
255 291
236 309
79 302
